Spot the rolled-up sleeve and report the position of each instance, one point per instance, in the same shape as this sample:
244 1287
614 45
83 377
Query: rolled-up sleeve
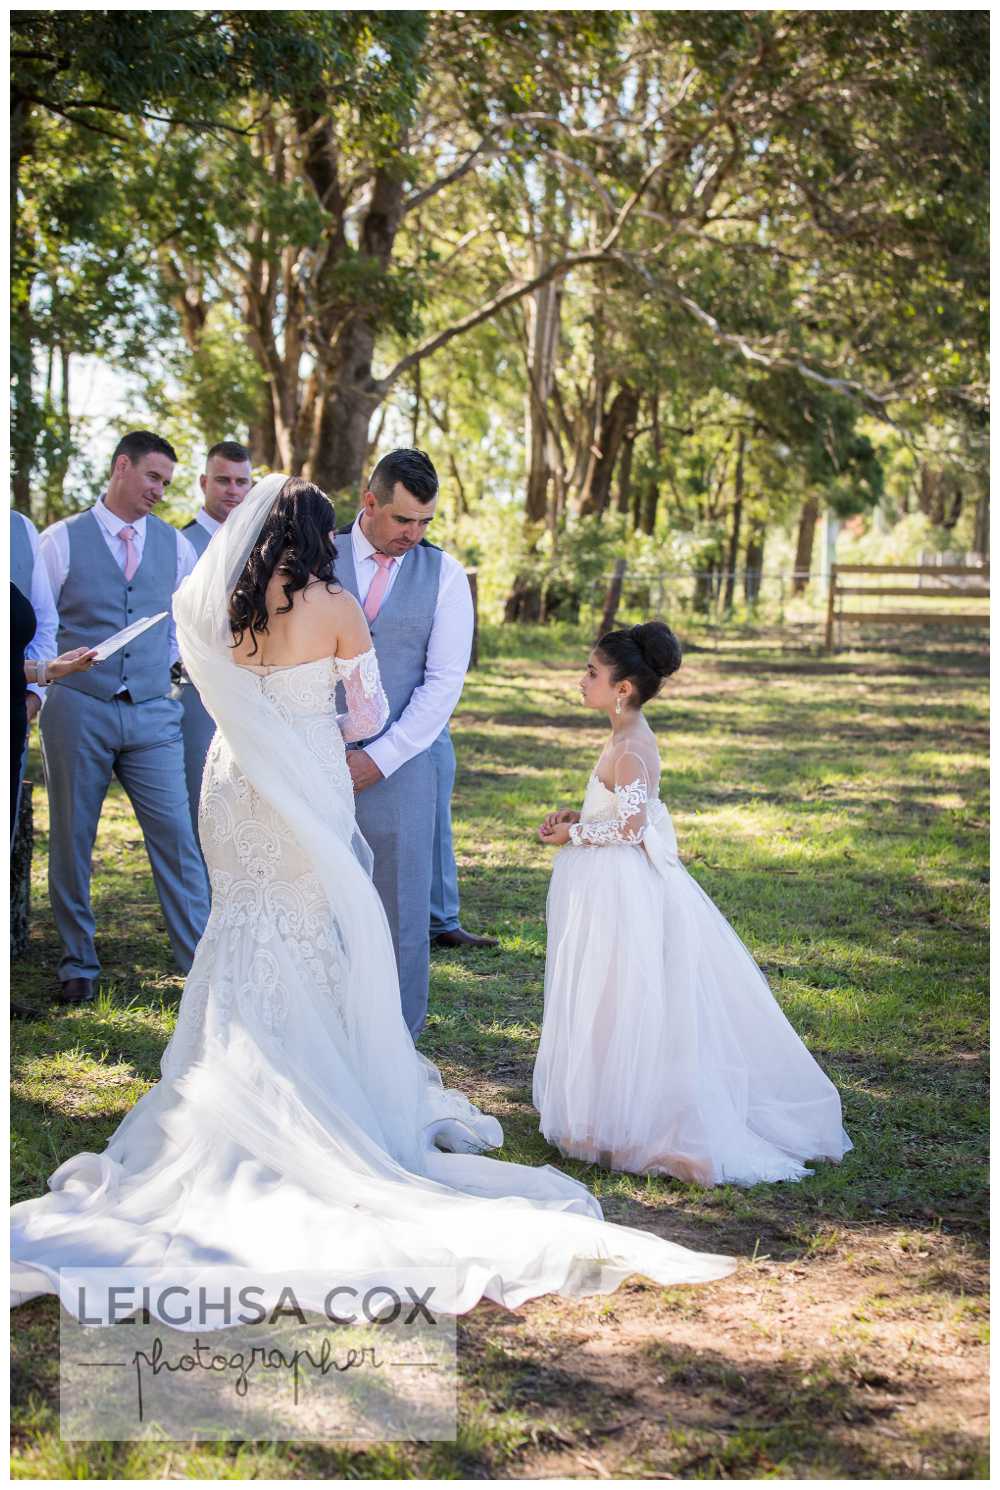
433 702
45 644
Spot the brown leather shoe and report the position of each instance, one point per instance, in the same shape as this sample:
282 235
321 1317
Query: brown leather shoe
77 991
462 938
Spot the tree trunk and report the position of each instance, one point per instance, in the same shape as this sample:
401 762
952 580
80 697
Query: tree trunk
417 400
650 502
981 538
58 464
338 459
734 536
349 393
615 421
804 545
261 435
24 415
613 598
706 585
543 313
754 563
647 503
625 470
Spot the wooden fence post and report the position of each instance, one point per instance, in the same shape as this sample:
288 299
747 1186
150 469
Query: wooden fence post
612 598
830 604
473 575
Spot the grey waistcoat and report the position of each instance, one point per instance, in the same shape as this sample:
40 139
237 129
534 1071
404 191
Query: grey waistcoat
95 601
22 561
197 537
402 628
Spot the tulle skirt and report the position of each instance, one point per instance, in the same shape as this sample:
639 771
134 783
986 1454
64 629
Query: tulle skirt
295 1128
663 1050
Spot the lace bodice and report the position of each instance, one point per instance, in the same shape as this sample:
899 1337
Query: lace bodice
307 690
612 816
623 787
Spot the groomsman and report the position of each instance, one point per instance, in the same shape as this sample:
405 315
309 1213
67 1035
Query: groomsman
33 581
110 566
225 483
419 607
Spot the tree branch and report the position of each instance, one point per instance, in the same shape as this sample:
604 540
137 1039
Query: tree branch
876 401
602 254
417 198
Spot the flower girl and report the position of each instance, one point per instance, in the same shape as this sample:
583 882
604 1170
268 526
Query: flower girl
663 1050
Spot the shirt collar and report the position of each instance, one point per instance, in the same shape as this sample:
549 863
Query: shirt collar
365 550
205 520
113 524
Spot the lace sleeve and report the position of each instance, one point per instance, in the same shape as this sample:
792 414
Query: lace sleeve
367 705
628 825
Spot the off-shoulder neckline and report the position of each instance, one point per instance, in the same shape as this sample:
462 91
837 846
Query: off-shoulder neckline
266 669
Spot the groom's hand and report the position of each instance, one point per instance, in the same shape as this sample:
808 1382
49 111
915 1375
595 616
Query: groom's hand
364 772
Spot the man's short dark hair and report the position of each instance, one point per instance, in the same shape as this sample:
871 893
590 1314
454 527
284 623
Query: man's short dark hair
229 450
411 467
139 442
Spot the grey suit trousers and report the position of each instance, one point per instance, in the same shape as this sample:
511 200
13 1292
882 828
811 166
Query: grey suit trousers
85 741
198 728
397 817
444 884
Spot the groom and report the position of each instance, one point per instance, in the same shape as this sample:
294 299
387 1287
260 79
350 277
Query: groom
419 608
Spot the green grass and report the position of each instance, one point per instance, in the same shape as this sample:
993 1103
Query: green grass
836 810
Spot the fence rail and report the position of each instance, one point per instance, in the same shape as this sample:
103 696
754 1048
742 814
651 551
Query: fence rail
976 588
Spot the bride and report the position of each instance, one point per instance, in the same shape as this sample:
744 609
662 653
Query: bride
295 1125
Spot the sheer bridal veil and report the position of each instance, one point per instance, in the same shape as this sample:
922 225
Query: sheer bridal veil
288 776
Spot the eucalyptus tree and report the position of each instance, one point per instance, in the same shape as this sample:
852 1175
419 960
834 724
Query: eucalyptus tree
98 101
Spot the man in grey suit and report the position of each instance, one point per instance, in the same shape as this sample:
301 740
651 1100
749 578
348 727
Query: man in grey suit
32 580
226 480
419 607
108 567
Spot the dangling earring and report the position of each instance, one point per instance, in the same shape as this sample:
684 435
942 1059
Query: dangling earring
618 704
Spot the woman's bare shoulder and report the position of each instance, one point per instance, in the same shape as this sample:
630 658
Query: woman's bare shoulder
336 609
330 596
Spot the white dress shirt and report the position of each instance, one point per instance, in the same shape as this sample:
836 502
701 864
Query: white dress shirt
448 648
53 547
42 647
207 521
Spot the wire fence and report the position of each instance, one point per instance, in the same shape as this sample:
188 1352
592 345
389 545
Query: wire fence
719 597
742 603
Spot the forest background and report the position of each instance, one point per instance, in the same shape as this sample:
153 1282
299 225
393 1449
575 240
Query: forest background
672 286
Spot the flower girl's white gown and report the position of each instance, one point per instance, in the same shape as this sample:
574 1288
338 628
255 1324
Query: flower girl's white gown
663 1050
295 1125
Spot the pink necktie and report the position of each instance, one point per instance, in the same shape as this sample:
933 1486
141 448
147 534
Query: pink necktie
128 536
378 586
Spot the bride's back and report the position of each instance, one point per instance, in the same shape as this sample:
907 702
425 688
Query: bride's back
287 607
322 622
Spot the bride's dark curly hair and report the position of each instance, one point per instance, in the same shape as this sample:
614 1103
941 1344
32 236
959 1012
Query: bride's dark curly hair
297 541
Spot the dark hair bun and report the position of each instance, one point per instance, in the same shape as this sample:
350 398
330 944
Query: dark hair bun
659 648
644 654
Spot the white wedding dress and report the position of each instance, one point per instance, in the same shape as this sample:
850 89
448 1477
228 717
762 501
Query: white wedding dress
295 1125
663 1050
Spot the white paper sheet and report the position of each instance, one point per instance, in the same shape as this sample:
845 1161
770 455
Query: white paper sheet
114 643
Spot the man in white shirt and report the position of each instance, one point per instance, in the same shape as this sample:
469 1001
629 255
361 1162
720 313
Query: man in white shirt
226 480
32 580
419 607
108 567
